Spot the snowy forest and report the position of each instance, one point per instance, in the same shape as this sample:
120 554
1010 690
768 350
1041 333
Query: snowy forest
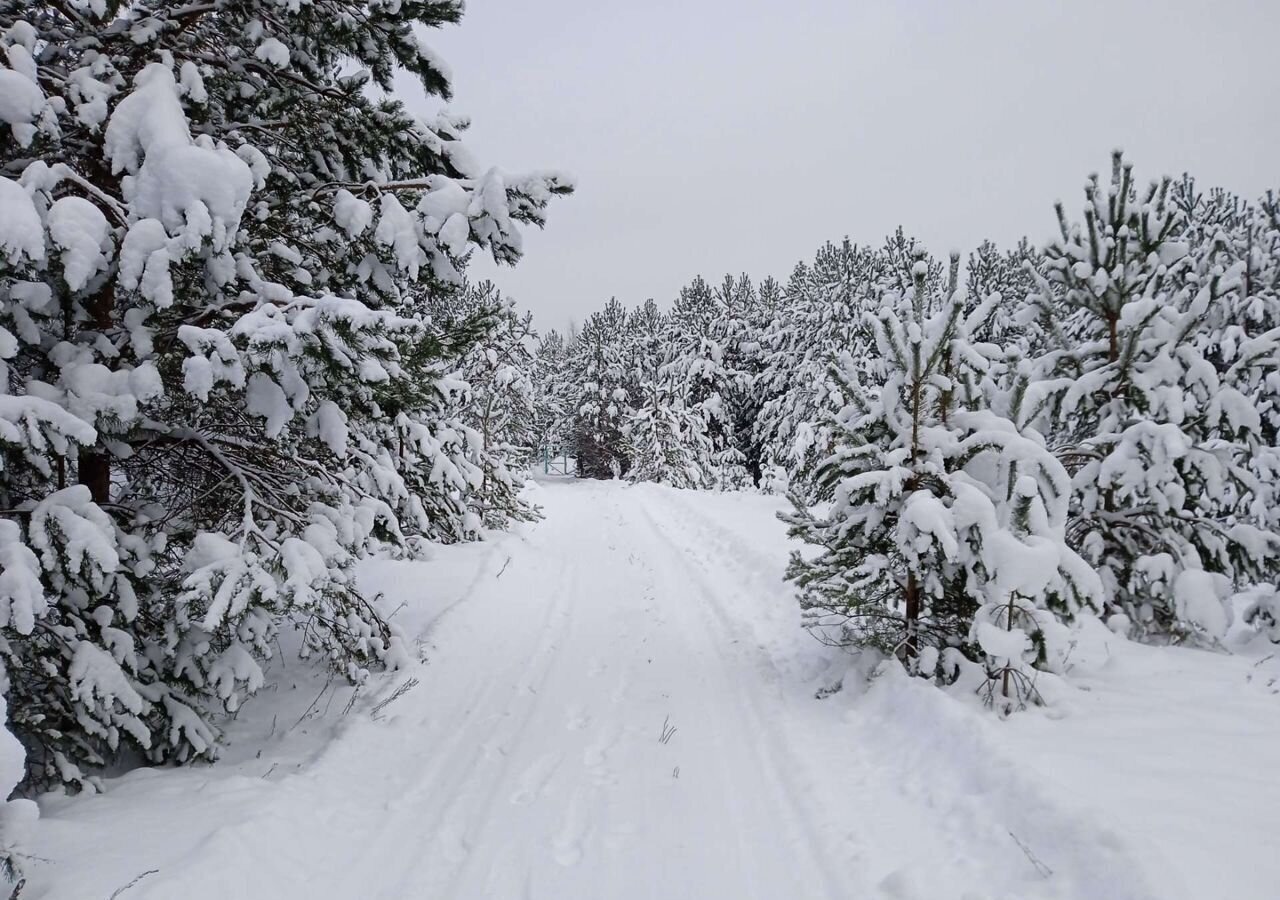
261 424
981 451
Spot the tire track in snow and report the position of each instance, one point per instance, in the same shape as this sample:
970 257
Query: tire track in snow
771 757
959 800
556 829
457 796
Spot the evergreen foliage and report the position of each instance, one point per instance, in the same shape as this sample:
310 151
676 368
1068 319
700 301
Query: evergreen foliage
1164 445
945 539
498 406
597 376
218 241
1091 425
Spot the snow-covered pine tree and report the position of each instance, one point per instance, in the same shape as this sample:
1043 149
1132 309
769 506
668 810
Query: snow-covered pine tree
667 440
768 300
697 378
553 394
497 365
1224 231
736 329
1009 273
707 387
1162 444
945 538
746 334
597 370
821 316
645 345
666 437
694 309
221 386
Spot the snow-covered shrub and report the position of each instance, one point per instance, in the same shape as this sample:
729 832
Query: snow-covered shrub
222 385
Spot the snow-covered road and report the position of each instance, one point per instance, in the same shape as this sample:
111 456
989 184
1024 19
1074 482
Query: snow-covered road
615 703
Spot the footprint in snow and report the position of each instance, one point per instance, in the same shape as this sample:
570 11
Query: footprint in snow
567 845
534 781
578 719
595 758
451 839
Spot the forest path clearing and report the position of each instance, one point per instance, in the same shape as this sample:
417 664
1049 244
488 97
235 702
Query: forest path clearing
615 703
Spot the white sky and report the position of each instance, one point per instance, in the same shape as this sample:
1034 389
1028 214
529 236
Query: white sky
713 136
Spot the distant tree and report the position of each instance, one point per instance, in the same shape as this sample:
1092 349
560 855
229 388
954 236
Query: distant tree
553 393
667 437
597 369
821 316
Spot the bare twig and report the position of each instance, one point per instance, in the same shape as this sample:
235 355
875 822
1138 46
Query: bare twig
1040 867
668 731
314 702
120 890
503 569
395 695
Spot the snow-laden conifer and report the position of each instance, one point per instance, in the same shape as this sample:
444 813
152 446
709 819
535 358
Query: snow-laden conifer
1163 443
945 538
222 388
498 406
600 403
820 316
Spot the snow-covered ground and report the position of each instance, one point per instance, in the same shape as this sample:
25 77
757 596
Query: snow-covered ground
618 702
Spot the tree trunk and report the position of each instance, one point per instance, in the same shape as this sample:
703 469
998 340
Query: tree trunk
911 646
95 473
95 463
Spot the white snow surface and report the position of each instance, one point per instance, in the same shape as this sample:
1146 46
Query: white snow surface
527 759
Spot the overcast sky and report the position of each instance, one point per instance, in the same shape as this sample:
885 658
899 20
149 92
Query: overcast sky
713 136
